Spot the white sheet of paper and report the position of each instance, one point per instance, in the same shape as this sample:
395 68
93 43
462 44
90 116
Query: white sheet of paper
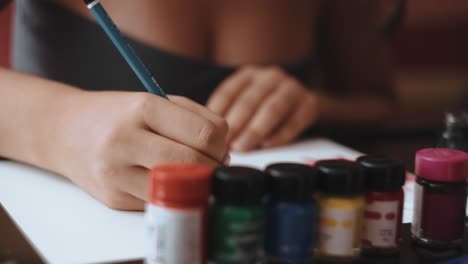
66 225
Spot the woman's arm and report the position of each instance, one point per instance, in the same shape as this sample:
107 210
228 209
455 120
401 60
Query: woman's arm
30 112
356 65
104 141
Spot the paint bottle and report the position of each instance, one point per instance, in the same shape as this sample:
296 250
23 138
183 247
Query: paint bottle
237 215
383 213
341 203
291 212
176 213
440 197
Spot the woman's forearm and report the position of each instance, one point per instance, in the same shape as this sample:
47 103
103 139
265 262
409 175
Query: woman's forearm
30 112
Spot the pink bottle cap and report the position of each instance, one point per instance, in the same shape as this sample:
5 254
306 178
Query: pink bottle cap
443 165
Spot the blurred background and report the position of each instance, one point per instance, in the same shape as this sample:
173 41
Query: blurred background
430 54
431 57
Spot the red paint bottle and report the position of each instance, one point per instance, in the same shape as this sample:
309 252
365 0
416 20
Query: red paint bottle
177 212
383 213
440 197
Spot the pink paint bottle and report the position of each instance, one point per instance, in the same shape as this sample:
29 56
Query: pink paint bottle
440 197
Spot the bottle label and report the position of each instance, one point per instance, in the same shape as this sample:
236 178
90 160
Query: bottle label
290 231
238 234
439 215
338 231
417 213
381 224
175 235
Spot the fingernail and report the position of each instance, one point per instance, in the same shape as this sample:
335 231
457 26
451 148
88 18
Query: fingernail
243 143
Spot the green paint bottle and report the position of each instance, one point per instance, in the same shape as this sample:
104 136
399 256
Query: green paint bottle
237 215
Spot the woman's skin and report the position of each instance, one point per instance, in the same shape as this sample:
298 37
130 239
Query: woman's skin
107 149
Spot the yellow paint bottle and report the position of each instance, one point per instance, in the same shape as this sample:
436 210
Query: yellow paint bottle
341 203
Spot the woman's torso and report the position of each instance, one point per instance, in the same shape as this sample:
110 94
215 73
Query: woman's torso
190 46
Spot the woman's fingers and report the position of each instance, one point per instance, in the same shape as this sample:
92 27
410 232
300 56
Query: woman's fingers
147 150
256 103
199 109
195 128
247 103
228 91
219 121
272 112
150 149
133 180
121 187
300 119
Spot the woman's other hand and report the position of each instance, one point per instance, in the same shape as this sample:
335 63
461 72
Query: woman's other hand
264 107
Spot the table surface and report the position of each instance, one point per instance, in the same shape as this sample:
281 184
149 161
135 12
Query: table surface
15 248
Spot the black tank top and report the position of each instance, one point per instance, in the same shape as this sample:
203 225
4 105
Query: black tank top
53 42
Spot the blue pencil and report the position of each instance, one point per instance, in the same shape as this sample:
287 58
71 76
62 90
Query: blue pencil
121 43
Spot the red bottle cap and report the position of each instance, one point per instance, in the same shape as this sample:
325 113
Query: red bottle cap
180 183
443 165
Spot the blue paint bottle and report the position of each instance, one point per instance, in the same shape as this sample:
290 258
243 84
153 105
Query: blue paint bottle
291 212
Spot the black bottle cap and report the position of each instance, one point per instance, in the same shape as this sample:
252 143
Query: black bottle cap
291 182
340 177
382 173
241 186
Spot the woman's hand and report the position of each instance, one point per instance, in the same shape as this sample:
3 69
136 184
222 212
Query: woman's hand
108 141
264 107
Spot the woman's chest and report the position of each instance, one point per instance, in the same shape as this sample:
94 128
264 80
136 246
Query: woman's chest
231 32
